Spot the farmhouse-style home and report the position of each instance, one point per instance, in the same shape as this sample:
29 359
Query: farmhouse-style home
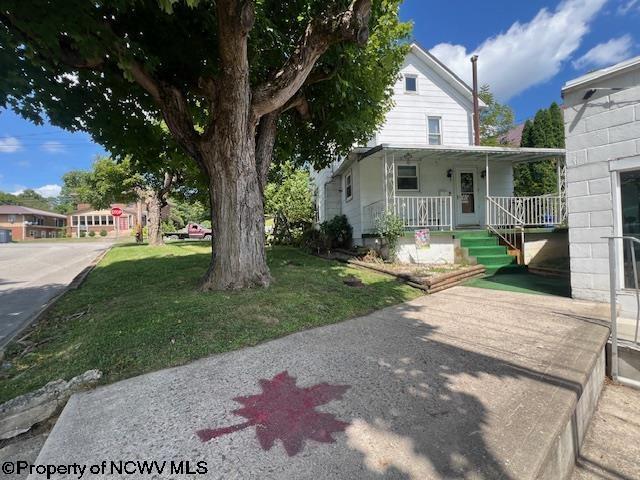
425 165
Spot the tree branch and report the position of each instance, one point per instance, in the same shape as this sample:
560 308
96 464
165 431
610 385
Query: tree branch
322 32
265 141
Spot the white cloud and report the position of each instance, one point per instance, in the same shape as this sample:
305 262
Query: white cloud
53 147
9 145
46 191
607 53
627 6
527 54
49 191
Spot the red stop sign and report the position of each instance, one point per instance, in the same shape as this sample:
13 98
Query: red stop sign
116 211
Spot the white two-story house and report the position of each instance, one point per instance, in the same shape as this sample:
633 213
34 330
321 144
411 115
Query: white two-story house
423 166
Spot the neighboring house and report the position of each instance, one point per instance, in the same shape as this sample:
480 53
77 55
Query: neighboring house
602 126
513 138
423 165
29 223
87 219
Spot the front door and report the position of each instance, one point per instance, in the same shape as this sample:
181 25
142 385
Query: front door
467 196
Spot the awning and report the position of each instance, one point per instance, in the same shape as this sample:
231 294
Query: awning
503 154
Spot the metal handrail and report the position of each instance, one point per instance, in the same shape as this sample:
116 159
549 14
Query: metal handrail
507 232
613 289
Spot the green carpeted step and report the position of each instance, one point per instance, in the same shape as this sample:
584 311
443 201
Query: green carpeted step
475 251
495 259
478 241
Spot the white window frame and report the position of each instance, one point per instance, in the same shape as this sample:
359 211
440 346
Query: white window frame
348 175
439 117
404 83
417 177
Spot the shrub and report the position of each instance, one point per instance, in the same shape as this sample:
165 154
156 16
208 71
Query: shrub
92 234
103 233
390 227
314 240
338 232
83 234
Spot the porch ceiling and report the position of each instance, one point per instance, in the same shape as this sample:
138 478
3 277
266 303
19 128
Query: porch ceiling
503 154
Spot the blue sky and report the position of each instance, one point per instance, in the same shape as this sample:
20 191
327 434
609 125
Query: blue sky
527 51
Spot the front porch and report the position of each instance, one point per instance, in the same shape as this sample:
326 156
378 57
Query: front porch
449 188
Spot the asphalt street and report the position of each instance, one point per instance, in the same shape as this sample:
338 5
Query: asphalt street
33 273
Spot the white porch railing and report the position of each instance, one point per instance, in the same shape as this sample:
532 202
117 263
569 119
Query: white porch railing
415 212
528 211
502 222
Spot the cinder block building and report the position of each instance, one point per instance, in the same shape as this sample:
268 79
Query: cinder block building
602 127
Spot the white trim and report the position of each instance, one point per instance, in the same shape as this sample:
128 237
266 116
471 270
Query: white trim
629 64
625 163
417 177
457 192
404 82
348 174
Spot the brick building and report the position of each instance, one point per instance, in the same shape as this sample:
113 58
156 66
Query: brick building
30 223
87 219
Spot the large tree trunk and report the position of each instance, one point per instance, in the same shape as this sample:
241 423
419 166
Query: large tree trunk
154 207
238 257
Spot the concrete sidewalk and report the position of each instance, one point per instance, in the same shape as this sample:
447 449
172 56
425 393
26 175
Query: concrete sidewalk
463 384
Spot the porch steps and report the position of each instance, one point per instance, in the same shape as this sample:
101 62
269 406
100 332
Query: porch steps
488 252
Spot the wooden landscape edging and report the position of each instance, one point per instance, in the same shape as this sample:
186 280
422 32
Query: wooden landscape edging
433 284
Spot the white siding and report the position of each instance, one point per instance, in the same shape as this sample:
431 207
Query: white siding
604 128
352 208
406 123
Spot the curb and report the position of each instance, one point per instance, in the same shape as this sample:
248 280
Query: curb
76 283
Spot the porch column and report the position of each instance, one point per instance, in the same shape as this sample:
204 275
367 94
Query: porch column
561 172
486 179
389 183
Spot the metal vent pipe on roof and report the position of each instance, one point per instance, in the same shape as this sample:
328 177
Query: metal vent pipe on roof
476 107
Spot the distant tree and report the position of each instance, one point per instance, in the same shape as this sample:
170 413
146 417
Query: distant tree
289 199
545 131
27 198
495 120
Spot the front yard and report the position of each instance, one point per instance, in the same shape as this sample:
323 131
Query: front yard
139 311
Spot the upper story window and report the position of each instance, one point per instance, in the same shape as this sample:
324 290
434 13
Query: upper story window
411 83
434 125
348 186
407 177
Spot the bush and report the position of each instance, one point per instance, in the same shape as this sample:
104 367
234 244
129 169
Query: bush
337 231
83 234
390 227
92 234
314 240
103 233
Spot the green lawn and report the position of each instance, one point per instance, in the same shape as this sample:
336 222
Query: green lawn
139 311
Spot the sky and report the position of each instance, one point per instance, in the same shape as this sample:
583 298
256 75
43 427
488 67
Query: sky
527 50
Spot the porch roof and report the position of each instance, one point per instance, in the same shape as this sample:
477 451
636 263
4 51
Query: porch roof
472 152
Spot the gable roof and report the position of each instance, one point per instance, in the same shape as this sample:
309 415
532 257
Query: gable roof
445 72
622 67
20 210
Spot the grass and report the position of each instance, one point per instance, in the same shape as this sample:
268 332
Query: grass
139 311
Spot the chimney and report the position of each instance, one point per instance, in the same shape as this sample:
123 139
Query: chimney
476 108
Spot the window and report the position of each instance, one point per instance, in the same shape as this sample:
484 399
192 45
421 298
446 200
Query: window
411 83
630 200
11 219
103 220
83 221
89 219
110 219
74 221
434 130
407 177
348 187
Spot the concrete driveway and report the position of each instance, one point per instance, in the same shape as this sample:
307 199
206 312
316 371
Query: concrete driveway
465 384
33 273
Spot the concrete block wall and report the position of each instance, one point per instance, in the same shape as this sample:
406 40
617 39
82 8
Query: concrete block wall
605 127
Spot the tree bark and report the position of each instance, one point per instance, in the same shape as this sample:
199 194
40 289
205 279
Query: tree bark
154 207
238 258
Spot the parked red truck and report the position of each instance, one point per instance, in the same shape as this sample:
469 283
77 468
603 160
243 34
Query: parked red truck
191 231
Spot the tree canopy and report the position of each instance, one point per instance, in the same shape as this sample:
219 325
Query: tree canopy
230 79
495 120
546 130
